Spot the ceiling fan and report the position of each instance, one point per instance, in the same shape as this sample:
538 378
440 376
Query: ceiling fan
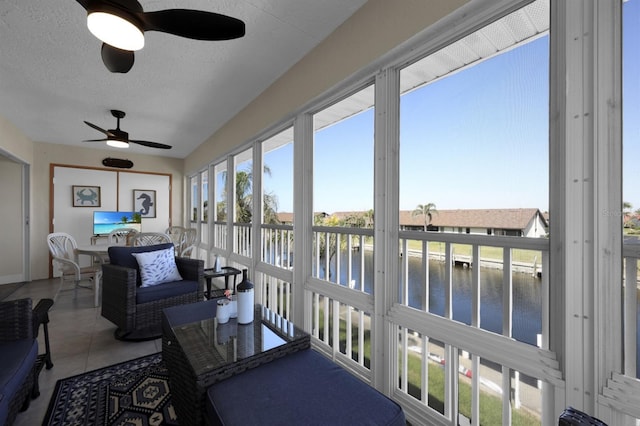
120 139
121 24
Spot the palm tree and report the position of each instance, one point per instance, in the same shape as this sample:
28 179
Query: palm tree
427 211
626 214
355 220
244 182
369 216
244 198
270 207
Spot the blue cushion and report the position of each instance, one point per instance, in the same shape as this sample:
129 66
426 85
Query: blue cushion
18 358
165 290
301 388
121 255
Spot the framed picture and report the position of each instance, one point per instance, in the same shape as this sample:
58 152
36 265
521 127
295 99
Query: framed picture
144 202
85 196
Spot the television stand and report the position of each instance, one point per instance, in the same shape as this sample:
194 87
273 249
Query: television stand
96 238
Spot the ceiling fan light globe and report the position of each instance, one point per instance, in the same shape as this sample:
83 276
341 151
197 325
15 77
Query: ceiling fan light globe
115 30
117 144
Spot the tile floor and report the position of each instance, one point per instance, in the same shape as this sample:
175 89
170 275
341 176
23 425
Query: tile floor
81 340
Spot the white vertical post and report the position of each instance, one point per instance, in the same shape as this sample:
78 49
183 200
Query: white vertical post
303 221
475 322
231 206
630 316
425 271
254 234
586 163
386 206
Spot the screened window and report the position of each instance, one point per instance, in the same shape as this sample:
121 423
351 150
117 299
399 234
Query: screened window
220 211
630 191
277 199
243 198
343 190
474 157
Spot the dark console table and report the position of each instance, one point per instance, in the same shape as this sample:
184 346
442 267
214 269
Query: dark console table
227 272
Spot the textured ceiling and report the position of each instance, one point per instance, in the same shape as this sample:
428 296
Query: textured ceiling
179 91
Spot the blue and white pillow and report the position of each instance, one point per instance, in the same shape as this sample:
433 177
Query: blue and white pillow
157 267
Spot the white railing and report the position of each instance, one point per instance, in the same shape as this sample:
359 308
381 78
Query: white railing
485 362
631 254
277 245
622 390
334 261
220 235
242 239
343 330
479 367
431 343
276 295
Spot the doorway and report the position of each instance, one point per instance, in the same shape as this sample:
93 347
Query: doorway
14 191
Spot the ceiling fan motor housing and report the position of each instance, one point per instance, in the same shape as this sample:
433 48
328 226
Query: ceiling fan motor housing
117 162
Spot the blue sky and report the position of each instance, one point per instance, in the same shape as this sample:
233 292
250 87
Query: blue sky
476 139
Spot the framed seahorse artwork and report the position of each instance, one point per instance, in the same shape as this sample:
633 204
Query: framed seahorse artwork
144 202
85 196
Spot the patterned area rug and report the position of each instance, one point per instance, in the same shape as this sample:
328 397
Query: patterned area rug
134 392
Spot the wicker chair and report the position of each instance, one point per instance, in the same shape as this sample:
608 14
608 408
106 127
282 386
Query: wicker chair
19 325
188 242
122 236
62 247
176 233
150 238
137 310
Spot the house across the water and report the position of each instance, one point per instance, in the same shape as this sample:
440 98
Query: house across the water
528 222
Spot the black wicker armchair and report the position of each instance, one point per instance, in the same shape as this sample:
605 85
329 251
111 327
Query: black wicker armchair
135 309
21 364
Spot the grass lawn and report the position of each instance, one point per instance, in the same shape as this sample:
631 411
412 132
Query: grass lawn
486 252
490 404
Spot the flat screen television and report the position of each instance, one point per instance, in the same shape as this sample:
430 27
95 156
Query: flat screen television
105 222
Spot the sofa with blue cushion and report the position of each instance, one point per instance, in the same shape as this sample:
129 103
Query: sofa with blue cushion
303 388
20 364
130 298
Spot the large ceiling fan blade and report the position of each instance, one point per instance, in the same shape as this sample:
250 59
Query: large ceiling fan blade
96 140
116 60
101 130
151 144
84 3
195 24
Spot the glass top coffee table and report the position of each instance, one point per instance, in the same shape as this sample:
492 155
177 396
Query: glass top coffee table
199 352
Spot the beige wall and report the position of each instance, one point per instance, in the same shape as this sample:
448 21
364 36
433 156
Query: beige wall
372 31
15 142
46 154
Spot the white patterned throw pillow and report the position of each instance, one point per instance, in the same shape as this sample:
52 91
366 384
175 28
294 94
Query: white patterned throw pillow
157 267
